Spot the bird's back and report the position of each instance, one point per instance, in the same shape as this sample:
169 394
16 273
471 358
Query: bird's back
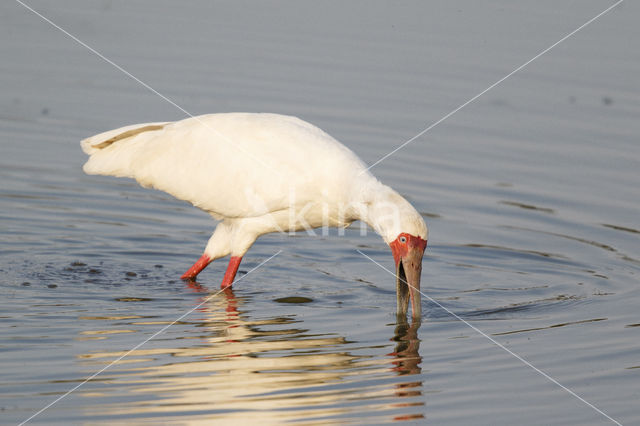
231 165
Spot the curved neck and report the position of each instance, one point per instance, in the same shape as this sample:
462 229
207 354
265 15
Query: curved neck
386 211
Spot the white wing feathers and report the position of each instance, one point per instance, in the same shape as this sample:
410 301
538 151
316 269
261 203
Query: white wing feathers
232 165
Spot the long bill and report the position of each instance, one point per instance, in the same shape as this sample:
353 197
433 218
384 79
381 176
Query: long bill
408 271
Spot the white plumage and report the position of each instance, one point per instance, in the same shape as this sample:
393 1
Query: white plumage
256 173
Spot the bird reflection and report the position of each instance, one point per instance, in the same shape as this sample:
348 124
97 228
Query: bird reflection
228 363
407 347
406 362
232 301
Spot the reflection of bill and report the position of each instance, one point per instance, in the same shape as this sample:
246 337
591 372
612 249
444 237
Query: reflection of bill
407 361
407 346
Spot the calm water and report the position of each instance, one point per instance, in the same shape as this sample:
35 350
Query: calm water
531 194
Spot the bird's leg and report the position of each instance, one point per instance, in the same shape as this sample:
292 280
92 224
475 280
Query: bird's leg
230 273
197 267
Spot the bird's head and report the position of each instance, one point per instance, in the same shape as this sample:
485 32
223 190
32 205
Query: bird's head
404 230
407 252
406 233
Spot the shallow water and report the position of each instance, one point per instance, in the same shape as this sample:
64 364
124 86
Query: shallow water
531 194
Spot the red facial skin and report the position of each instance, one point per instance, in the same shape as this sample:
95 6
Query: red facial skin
401 249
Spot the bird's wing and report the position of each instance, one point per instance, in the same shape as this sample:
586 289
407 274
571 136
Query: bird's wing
231 165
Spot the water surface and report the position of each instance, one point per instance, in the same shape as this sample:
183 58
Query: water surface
531 195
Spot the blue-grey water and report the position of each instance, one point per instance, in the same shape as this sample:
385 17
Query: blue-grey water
531 193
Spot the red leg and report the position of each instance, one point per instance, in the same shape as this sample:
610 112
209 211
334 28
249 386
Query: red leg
230 274
197 267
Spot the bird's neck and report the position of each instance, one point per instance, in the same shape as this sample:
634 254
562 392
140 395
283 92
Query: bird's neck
386 211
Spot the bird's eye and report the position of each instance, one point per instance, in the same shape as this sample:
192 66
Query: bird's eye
403 239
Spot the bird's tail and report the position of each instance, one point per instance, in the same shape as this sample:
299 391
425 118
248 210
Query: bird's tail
95 143
116 161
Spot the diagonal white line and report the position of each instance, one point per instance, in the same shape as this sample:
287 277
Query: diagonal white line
500 345
147 86
493 85
157 333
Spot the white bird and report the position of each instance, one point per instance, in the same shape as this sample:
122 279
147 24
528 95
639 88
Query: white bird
262 173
